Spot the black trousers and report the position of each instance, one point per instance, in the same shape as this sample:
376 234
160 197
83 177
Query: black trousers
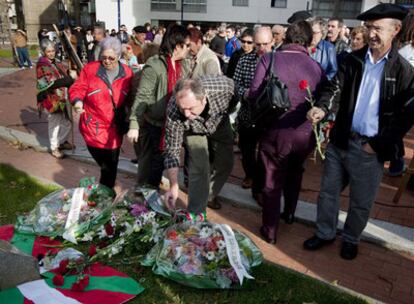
107 159
253 168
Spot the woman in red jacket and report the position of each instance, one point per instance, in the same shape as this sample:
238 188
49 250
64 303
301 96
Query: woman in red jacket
100 95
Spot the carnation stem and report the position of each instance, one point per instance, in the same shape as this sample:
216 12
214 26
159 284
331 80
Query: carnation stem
318 142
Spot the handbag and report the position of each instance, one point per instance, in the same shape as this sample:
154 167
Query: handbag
272 102
120 117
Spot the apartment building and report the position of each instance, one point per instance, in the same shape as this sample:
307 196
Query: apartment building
136 12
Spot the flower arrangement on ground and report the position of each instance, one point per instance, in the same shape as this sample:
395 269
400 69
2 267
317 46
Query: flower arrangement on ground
204 255
73 210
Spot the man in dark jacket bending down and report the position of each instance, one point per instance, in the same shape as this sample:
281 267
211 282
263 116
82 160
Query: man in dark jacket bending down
375 88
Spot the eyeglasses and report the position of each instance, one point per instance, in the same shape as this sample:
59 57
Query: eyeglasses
109 58
246 42
262 44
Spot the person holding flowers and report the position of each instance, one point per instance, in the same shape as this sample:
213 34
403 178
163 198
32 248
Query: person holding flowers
374 89
285 144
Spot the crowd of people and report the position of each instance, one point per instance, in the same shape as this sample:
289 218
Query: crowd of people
178 93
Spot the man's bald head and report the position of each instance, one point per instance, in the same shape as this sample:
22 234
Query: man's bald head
263 40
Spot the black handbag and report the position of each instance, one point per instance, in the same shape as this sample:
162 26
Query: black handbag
271 103
120 118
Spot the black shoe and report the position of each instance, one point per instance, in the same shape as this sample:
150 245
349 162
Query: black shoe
214 204
349 251
315 243
266 237
288 218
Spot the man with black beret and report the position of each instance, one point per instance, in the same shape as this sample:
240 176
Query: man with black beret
137 41
373 92
299 16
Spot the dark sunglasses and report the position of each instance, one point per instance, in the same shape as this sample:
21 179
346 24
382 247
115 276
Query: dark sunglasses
110 58
246 41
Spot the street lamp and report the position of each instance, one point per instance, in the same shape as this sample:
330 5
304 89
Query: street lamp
119 15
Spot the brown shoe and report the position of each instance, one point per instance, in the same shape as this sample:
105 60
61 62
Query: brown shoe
214 204
67 146
57 153
247 183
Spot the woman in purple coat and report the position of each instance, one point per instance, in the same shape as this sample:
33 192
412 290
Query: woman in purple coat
286 144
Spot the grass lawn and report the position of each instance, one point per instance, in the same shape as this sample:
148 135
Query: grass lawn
273 284
7 53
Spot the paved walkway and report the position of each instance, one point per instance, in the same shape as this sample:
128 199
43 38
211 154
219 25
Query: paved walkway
377 272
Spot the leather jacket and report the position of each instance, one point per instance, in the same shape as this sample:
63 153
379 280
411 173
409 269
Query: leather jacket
396 110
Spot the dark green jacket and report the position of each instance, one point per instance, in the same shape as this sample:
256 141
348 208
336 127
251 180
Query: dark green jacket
150 103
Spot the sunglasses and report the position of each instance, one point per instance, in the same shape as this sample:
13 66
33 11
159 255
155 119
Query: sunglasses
109 58
246 42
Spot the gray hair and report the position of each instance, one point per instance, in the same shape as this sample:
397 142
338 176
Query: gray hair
111 43
45 44
194 85
322 23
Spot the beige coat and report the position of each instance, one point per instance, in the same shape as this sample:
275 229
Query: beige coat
206 63
20 40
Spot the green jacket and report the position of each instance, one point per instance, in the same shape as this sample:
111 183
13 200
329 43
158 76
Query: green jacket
150 103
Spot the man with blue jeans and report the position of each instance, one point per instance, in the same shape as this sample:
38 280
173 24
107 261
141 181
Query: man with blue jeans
20 42
374 87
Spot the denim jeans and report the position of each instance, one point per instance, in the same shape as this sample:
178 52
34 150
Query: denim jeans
363 173
24 57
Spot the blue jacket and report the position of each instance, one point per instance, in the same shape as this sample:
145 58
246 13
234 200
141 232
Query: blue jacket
231 46
325 55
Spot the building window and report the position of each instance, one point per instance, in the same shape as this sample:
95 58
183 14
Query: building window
240 2
279 3
336 8
405 2
190 6
195 6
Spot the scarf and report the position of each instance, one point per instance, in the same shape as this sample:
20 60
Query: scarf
173 74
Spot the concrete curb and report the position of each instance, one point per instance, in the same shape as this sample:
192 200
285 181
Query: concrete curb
389 235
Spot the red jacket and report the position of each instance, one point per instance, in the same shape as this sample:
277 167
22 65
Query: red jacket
97 122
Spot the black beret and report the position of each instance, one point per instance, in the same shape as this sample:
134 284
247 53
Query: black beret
299 16
139 29
384 10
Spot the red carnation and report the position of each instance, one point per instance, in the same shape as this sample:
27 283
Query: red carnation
313 50
63 266
109 229
91 203
77 286
303 84
172 235
92 250
85 280
58 280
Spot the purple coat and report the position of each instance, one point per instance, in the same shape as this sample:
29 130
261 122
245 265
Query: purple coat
291 64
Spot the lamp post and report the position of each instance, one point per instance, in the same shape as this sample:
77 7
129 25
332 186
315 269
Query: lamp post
119 14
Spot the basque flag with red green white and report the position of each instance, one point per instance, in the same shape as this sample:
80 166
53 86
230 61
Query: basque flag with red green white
106 285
